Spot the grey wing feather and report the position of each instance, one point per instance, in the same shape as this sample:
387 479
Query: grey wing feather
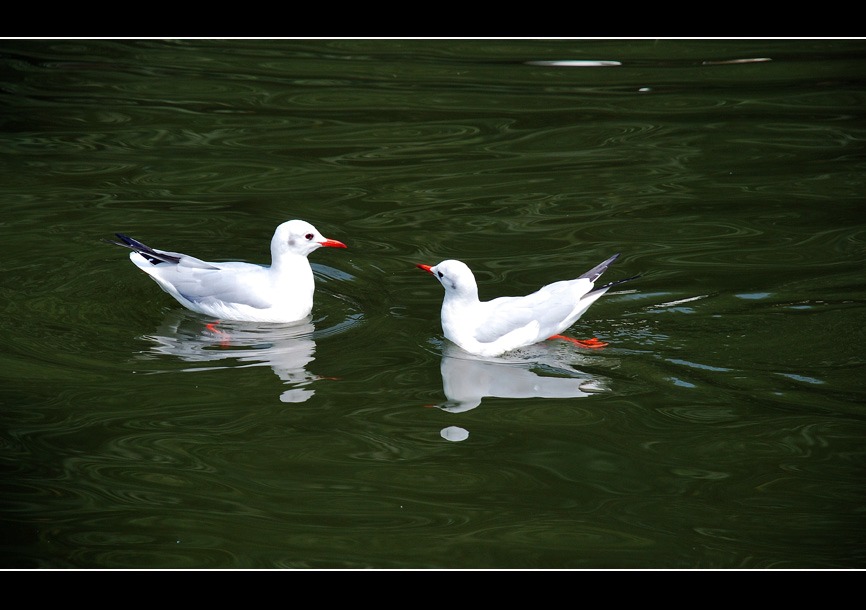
212 283
548 306
497 326
594 273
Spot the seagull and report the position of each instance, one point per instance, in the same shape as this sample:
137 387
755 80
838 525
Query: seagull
491 328
245 292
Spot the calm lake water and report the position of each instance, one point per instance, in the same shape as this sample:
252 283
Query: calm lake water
722 428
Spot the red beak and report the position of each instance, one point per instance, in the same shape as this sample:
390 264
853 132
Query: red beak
332 243
426 268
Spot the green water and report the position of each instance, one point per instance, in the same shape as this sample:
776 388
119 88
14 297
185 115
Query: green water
721 428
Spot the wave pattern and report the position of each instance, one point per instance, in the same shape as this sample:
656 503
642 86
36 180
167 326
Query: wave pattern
721 428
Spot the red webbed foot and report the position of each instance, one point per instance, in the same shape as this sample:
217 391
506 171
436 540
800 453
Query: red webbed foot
592 343
212 327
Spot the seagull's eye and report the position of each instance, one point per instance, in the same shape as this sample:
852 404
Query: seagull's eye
441 274
309 236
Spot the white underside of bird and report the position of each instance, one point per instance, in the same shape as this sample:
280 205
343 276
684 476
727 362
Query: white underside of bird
491 328
281 292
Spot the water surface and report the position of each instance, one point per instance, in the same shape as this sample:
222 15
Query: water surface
721 428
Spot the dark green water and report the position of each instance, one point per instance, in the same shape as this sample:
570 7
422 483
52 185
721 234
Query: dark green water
723 427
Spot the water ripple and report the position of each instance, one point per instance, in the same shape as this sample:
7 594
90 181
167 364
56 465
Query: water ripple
722 427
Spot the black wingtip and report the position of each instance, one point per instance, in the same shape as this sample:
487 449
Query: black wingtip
152 256
615 283
133 243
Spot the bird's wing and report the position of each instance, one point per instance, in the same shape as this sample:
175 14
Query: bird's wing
208 283
594 273
190 262
549 307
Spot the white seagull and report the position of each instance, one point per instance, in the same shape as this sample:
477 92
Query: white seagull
491 328
246 292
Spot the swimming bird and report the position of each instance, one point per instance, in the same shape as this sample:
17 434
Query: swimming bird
491 328
247 292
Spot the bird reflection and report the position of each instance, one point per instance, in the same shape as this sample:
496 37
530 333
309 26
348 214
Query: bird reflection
468 379
286 348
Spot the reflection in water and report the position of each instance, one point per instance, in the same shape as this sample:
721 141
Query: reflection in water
467 379
286 348
454 433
